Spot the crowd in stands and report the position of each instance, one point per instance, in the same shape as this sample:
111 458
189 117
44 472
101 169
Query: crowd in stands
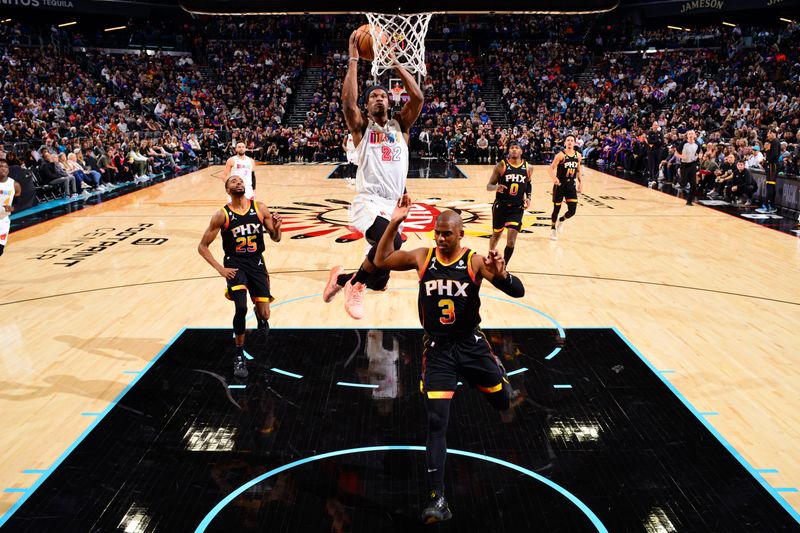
131 116
730 95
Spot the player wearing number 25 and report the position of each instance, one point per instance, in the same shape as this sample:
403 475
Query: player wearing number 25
449 308
243 223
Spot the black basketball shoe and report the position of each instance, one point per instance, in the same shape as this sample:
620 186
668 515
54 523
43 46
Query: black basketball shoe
437 509
262 328
240 364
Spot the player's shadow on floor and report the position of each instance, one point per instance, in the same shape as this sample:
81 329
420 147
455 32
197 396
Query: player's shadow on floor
95 389
137 348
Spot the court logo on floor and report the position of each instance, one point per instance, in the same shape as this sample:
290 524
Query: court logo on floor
330 217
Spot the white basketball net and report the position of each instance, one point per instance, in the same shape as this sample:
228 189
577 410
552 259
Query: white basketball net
398 40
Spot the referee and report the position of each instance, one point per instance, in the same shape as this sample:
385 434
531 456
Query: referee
688 157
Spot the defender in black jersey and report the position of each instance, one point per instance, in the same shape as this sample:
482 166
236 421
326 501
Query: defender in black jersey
511 179
449 309
565 170
772 154
243 223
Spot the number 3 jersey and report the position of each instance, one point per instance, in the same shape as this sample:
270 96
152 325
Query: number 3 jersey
243 233
449 304
382 159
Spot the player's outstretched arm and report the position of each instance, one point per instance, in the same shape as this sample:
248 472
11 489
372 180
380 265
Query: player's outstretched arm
228 168
410 112
579 174
493 268
217 221
386 257
356 122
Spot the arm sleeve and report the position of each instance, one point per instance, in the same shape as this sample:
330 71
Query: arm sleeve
253 175
528 189
511 286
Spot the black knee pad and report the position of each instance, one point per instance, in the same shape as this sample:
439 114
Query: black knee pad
240 316
572 207
378 280
438 414
376 231
500 400
398 242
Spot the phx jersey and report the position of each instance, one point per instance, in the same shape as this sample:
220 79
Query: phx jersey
508 207
243 233
449 305
513 178
243 243
566 172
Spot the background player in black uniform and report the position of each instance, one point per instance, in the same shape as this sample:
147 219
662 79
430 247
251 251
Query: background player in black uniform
655 145
564 171
449 308
772 152
511 179
243 223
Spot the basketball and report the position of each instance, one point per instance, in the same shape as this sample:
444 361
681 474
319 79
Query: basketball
364 41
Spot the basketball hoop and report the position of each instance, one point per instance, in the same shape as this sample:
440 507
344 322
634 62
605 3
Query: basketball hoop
398 40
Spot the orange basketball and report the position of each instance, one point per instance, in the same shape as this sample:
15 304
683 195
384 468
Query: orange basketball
364 41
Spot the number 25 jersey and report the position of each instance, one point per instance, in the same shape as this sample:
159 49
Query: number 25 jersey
243 233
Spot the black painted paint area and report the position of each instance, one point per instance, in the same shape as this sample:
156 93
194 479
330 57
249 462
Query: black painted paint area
180 441
417 169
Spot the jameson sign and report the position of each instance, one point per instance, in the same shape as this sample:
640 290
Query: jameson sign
662 8
702 4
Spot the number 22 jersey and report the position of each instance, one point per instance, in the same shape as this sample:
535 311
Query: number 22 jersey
382 159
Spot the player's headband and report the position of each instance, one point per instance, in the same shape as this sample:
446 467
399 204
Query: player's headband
374 88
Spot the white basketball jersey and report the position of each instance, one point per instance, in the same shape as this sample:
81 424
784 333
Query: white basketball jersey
382 159
6 196
243 167
351 150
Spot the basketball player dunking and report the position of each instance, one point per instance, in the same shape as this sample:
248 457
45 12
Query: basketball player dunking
564 171
511 179
243 223
8 190
243 166
449 309
381 145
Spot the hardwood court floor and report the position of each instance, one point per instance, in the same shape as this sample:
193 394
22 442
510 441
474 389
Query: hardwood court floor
91 295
